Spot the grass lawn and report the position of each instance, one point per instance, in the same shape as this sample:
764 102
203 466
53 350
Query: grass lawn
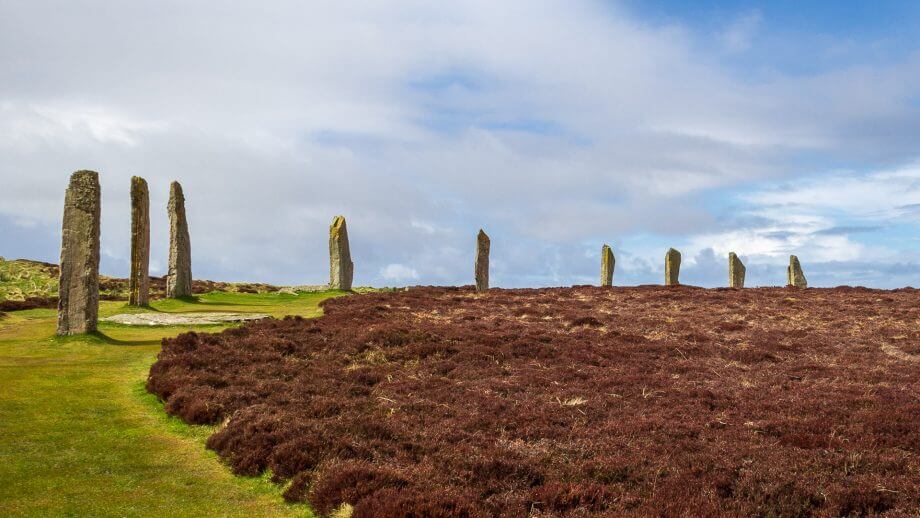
79 435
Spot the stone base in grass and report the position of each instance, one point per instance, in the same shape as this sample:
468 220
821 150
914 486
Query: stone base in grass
179 319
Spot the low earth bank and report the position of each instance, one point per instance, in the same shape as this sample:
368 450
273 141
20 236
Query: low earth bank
35 283
648 400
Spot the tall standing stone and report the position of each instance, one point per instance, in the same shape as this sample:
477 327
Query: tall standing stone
736 271
672 267
179 276
795 277
482 261
341 269
608 262
78 298
139 282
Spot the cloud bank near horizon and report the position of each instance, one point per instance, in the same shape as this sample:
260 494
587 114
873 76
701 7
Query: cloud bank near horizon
556 126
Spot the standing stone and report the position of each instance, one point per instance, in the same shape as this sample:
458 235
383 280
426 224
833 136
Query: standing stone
341 269
139 282
179 276
795 277
736 271
671 267
482 261
608 262
78 298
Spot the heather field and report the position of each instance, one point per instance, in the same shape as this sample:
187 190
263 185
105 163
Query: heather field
79 435
645 400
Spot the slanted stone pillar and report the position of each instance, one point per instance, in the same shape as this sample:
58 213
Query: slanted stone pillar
341 268
672 267
482 261
179 276
608 262
78 298
736 271
795 277
139 281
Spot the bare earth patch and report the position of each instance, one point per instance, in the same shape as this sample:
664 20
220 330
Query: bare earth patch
647 400
173 319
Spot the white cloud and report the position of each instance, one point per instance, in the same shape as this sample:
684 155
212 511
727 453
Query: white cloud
550 123
398 273
819 214
25 125
737 37
879 196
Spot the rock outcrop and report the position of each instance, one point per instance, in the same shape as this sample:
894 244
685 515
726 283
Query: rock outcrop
179 275
672 267
78 302
736 271
139 281
482 261
341 268
608 262
795 277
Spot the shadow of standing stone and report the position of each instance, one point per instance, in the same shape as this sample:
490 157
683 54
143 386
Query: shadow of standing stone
483 243
736 271
139 281
608 263
341 268
672 267
78 302
179 276
795 277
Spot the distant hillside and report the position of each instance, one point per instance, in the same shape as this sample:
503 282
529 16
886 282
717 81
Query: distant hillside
22 278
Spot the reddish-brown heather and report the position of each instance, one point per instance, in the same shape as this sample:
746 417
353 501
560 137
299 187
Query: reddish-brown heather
646 400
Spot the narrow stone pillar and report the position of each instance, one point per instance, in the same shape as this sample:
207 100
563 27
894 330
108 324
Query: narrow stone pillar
795 277
78 297
179 276
139 282
608 262
482 261
671 267
736 271
341 269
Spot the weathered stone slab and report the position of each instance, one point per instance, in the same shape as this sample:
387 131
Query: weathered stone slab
341 268
795 277
482 261
139 281
672 267
179 275
78 302
608 262
736 271
176 319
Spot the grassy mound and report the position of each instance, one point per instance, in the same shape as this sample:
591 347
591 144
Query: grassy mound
21 279
649 400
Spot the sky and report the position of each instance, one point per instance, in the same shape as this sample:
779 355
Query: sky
767 129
